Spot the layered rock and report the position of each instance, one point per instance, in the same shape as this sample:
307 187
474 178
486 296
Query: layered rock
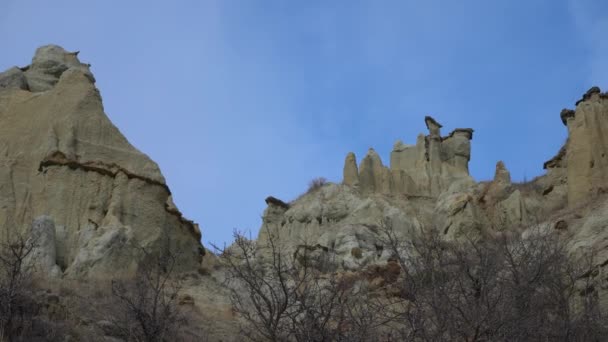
60 156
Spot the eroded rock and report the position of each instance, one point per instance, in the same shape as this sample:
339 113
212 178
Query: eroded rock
587 148
62 157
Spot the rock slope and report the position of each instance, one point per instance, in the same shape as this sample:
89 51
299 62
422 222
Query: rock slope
63 162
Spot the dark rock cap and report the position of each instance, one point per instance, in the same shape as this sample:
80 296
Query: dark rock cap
565 114
429 120
589 93
468 131
270 200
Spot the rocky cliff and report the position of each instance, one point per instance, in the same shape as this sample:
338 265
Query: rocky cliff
428 185
63 163
69 175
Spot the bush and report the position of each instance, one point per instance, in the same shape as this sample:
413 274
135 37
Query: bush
505 288
508 288
316 183
282 296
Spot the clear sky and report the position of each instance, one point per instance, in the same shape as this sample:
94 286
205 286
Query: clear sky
238 100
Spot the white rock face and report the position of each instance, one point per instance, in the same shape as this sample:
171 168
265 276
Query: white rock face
60 156
44 255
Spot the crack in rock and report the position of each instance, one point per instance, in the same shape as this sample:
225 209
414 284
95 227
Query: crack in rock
58 158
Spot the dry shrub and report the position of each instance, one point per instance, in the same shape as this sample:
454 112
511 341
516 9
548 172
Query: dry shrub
147 307
315 184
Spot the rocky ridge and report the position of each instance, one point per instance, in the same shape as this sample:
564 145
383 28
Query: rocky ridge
428 185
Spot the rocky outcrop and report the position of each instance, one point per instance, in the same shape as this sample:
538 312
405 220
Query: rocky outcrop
60 156
373 175
43 257
350 172
425 169
13 78
587 147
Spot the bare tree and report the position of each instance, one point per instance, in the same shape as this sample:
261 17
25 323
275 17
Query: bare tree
262 293
147 306
476 288
287 296
17 306
510 288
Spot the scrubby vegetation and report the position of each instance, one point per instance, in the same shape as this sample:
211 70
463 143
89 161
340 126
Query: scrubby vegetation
501 288
315 184
37 308
505 287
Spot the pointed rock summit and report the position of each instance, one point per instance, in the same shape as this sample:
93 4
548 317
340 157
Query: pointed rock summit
351 172
60 156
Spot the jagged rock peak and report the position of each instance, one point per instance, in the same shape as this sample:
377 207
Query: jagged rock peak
351 172
49 63
501 174
423 169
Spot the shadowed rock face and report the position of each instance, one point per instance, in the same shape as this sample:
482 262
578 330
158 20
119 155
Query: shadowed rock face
60 156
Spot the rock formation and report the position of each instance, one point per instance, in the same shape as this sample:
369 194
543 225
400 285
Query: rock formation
587 147
351 172
428 185
424 169
68 177
61 157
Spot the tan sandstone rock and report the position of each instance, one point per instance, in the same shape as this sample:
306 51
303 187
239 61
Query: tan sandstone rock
60 156
425 169
351 172
587 148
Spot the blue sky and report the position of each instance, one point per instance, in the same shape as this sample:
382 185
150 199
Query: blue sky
237 100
